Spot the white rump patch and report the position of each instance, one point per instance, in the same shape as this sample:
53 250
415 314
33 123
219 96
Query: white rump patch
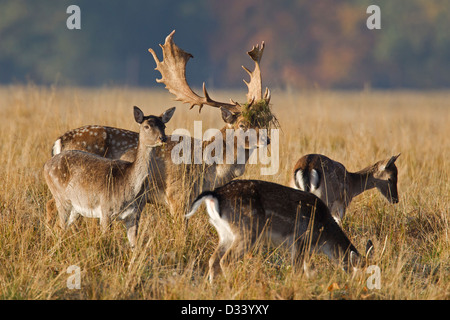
226 235
57 147
314 179
299 179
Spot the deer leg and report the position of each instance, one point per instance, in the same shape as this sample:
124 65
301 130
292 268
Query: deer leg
105 220
132 225
227 244
63 213
222 255
172 208
73 217
214 262
177 209
50 210
297 256
236 251
132 230
299 259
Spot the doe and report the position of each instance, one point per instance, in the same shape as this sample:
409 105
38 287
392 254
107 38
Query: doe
244 211
331 182
95 187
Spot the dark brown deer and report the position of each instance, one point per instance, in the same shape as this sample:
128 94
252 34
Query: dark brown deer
179 184
85 184
244 211
331 182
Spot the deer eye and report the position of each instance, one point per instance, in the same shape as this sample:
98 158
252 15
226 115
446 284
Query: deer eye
146 127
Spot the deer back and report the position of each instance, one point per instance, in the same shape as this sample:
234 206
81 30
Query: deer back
281 214
104 141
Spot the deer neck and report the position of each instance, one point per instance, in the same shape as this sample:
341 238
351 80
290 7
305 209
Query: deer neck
362 180
235 168
139 169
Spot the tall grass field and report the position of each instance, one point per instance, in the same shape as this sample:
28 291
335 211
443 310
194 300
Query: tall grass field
356 128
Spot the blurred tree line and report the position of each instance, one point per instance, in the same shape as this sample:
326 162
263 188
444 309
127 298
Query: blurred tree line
322 43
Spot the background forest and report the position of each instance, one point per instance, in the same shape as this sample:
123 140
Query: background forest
319 43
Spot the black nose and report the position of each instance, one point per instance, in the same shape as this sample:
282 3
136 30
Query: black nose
394 200
163 138
268 140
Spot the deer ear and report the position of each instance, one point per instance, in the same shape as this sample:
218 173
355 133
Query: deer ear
138 115
167 115
227 115
392 160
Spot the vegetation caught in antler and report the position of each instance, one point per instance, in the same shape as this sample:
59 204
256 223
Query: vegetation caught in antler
260 115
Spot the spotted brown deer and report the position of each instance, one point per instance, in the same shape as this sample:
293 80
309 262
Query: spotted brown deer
331 182
178 184
246 211
86 184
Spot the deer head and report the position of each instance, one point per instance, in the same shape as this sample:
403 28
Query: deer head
386 177
254 114
152 126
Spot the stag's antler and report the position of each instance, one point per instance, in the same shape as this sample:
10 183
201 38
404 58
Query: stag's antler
173 72
255 83
173 75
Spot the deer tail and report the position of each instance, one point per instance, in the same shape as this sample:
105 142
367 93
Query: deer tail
207 195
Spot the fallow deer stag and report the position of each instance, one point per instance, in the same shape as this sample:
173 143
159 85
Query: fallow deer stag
331 182
95 187
244 211
178 184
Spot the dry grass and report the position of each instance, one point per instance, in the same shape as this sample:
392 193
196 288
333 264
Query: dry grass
356 128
